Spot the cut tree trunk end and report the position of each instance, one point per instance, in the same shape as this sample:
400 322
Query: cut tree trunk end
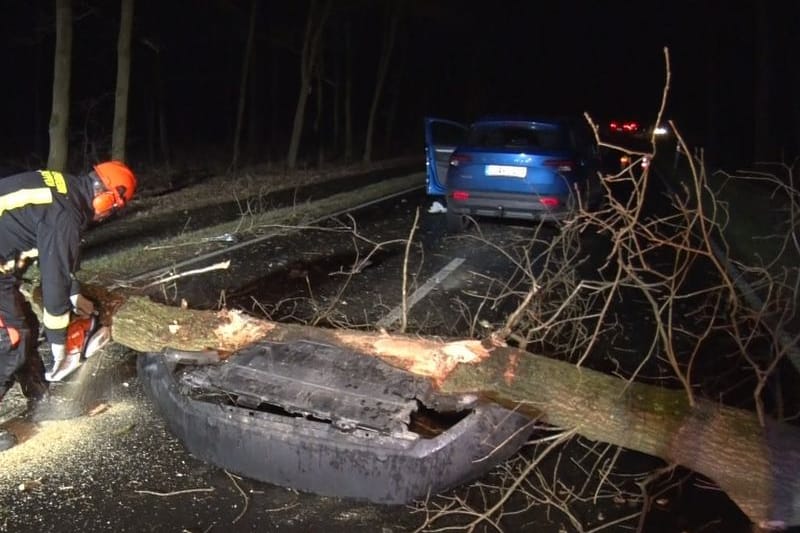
757 467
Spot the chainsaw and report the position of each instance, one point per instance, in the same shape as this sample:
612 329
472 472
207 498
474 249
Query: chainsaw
85 337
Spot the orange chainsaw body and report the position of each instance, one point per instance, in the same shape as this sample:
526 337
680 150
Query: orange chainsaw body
85 336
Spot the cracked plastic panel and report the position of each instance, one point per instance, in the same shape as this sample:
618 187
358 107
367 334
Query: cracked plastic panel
325 382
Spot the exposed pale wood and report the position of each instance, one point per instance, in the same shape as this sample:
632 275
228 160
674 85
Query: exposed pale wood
757 467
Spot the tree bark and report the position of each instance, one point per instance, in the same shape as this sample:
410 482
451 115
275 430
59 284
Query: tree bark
59 113
764 149
336 107
246 64
158 109
318 114
756 466
383 67
308 59
348 93
163 133
119 133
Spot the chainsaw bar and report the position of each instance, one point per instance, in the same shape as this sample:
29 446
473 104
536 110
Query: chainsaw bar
96 342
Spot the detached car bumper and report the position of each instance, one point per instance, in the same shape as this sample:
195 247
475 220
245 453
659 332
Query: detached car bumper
324 420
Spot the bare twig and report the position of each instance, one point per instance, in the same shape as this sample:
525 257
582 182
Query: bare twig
173 493
244 496
218 266
404 291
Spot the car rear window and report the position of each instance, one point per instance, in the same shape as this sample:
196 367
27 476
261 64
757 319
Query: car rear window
517 137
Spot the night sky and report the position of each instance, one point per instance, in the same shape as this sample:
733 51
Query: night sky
452 59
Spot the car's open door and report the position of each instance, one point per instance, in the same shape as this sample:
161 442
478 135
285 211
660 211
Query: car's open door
441 139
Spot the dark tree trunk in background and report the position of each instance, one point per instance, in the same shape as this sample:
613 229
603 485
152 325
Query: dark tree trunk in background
337 104
391 112
37 88
274 86
312 43
795 102
793 57
254 103
163 130
712 89
389 36
59 114
348 93
158 107
119 133
394 96
246 62
763 149
318 115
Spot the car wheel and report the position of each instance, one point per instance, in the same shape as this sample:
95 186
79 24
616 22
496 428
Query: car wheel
330 421
455 222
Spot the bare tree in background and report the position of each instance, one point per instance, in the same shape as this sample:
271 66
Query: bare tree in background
119 133
160 107
318 114
764 138
59 114
348 93
246 62
394 94
312 47
393 18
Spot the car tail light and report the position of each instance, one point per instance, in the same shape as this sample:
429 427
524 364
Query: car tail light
561 165
548 201
625 160
460 195
627 127
459 159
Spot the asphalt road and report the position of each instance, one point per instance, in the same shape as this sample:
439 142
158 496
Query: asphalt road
120 469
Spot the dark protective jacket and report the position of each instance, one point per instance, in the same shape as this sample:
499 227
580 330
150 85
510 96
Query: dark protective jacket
42 215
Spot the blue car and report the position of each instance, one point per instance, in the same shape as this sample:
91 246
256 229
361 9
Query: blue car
511 167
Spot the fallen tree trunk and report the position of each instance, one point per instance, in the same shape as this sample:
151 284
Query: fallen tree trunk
758 467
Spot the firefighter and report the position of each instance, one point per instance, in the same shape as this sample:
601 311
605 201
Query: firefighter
42 216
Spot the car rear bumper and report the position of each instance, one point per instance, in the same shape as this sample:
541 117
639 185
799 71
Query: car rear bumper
523 206
508 205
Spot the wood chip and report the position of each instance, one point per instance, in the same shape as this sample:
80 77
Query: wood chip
100 408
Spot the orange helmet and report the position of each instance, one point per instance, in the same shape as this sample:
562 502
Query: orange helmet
118 187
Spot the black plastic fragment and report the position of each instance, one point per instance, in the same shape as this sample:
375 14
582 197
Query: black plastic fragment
342 428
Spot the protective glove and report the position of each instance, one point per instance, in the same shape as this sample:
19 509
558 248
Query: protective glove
59 353
83 306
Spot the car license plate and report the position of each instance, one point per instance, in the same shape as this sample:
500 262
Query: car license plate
506 170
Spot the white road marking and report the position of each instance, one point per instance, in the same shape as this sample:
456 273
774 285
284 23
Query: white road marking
419 294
